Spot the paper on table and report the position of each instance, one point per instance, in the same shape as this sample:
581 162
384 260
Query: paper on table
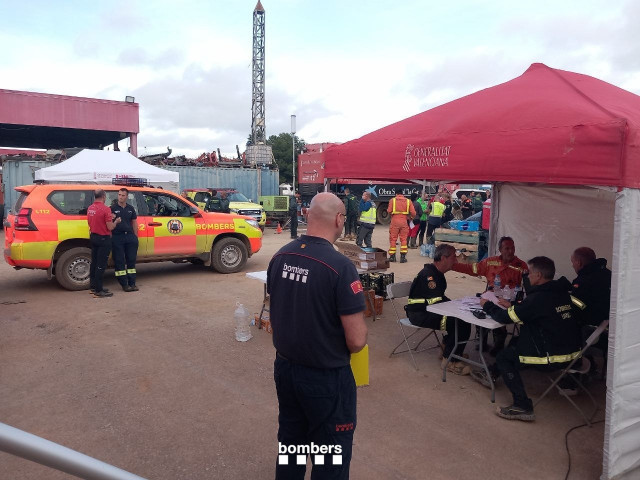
489 295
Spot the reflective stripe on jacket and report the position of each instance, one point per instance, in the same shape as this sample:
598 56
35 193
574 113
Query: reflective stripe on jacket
395 209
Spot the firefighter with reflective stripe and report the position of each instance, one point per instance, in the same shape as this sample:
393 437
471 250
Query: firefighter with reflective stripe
367 220
511 270
549 334
124 242
428 288
401 210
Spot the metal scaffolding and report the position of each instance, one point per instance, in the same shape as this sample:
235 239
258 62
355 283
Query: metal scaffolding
258 135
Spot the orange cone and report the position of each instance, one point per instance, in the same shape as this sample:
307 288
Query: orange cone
279 229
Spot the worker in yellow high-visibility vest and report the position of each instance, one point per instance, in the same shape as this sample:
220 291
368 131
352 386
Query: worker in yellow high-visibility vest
367 220
401 209
436 211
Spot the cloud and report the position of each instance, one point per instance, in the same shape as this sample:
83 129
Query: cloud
139 57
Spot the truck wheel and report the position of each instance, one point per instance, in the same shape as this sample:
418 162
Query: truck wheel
229 255
384 218
72 268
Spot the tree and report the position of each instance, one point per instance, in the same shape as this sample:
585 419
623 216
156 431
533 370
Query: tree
282 152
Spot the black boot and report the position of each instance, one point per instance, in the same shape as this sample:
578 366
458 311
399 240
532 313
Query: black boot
392 258
403 258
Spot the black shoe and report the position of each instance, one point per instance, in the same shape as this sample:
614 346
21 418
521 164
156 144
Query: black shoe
392 258
127 288
403 258
134 288
93 290
516 413
102 294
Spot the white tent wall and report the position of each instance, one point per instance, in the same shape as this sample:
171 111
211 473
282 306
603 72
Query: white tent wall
622 427
553 221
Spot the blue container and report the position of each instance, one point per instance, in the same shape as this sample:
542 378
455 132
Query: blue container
463 225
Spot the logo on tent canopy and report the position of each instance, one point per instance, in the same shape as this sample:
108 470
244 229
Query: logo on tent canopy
429 156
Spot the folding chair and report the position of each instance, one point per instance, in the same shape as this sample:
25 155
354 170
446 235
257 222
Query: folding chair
572 372
401 290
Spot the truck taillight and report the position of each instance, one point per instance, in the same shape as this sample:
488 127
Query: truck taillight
23 220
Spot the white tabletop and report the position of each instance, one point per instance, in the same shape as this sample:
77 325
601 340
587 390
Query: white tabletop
458 308
262 276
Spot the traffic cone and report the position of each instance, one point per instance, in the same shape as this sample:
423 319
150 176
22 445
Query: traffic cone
279 229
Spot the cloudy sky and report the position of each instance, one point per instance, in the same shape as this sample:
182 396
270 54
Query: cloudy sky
344 68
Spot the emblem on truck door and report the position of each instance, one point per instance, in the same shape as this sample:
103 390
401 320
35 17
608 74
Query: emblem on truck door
174 226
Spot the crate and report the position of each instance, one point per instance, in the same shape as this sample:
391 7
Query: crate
377 282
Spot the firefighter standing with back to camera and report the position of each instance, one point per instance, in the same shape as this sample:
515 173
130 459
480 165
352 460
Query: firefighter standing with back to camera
317 305
124 242
401 209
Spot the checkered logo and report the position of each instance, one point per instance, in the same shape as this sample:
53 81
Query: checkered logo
297 454
294 273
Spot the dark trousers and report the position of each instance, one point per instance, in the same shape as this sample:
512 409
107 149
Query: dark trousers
350 224
421 230
508 365
433 320
433 223
294 224
365 231
100 249
125 250
316 406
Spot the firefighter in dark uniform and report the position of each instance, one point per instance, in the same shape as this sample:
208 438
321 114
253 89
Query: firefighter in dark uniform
549 335
293 215
125 242
316 306
428 288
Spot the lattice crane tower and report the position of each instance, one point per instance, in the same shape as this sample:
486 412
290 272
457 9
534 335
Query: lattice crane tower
259 153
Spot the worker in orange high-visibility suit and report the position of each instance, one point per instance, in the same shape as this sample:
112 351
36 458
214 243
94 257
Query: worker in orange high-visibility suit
401 210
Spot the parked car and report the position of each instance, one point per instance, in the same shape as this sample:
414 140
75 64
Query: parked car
47 229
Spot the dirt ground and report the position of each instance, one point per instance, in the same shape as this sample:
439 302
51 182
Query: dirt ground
154 382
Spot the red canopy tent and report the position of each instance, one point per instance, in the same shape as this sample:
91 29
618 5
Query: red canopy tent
563 152
547 125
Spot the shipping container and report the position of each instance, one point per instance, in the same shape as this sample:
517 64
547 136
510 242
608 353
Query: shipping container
252 182
16 173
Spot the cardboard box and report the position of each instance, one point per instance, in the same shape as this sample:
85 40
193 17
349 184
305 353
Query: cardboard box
365 259
368 302
379 303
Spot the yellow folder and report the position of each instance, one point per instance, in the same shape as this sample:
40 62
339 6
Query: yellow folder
360 366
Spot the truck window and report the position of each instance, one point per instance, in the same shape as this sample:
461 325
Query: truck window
71 202
160 205
112 199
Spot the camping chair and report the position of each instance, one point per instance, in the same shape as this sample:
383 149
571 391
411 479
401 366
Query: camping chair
572 372
401 290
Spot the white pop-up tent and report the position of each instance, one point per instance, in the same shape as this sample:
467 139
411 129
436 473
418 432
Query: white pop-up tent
102 166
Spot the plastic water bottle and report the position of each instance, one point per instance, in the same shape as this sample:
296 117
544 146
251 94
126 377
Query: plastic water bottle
241 316
497 286
423 250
